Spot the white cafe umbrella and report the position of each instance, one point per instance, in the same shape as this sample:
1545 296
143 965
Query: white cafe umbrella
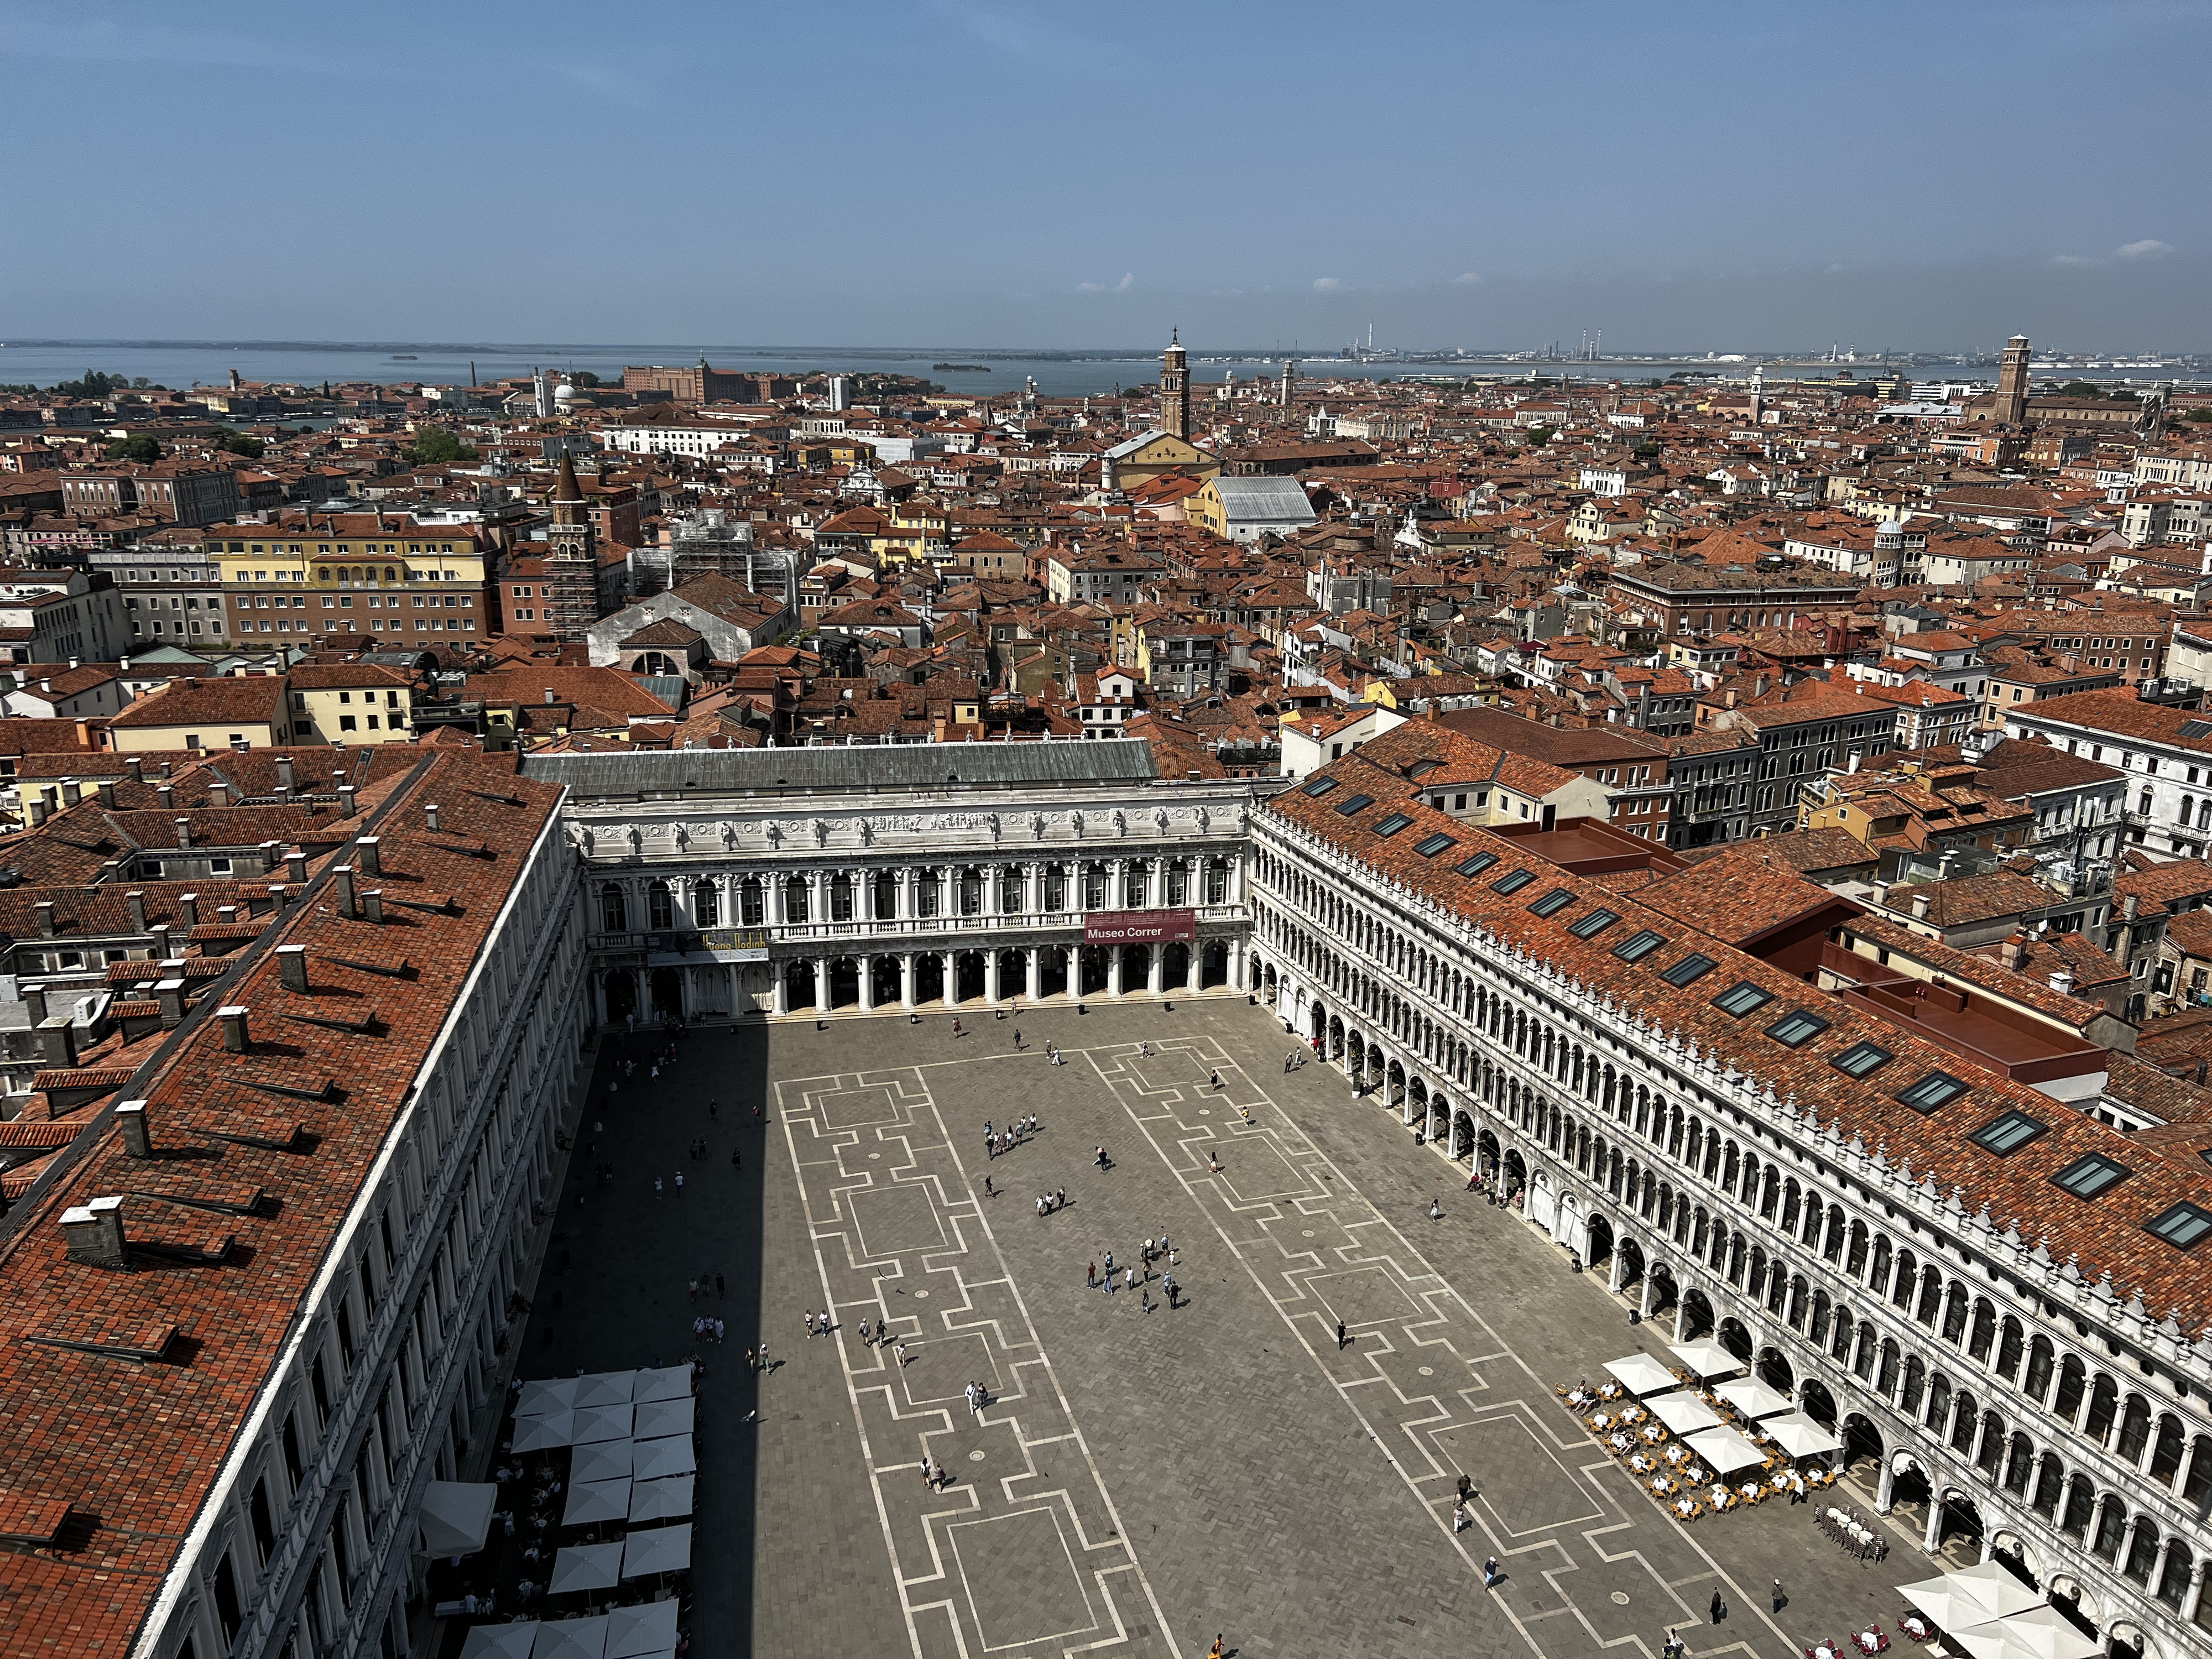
500 1641
2044 1632
602 1423
572 1638
586 1567
634 1632
605 1388
656 1459
1705 1358
1799 1436
455 1516
1640 1374
657 1549
668 1383
602 1461
1752 1397
1684 1413
545 1394
658 1418
660 1500
1725 1450
545 1431
592 1501
1996 1589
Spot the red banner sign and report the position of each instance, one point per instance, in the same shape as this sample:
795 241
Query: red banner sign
1140 928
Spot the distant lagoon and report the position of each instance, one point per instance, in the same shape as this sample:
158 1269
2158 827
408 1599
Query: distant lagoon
181 363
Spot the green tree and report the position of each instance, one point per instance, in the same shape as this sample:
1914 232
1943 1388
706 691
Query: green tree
585 378
243 443
143 446
2080 389
436 446
94 385
1538 436
2199 414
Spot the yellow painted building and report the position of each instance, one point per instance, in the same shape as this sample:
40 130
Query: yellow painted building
350 703
1149 454
353 572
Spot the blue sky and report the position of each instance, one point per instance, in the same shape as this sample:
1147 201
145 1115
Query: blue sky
1681 176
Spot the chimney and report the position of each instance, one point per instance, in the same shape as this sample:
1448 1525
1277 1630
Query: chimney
35 810
1880 892
279 896
345 800
548 696
2010 952
295 865
227 914
135 768
272 855
369 849
1920 903
2202 1065
292 967
183 832
34 998
188 907
130 1119
95 1233
107 794
168 795
235 1037
220 791
44 911
2063 982
1853 762
61 1032
159 934
2128 905
170 993
284 776
72 791
430 815
137 903
346 906
372 904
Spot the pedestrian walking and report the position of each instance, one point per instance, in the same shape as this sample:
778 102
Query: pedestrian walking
1671 1648
864 1333
1490 1573
692 1286
1436 1211
679 1183
711 1113
756 1115
1017 1037
957 1031
1090 1276
1458 1515
1216 1082
1719 1608
989 1190
1339 1336
752 1364
656 1186
1780 1598
1466 1488
1129 1283
764 1364
900 1346
925 1468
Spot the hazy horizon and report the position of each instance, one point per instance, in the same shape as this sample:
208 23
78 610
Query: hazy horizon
1703 177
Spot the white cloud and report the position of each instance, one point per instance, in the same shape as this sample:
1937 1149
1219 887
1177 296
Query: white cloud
2148 248
1329 285
2074 259
1470 278
1129 281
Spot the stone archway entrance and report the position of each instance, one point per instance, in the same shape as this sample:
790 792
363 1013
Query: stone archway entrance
844 982
1052 973
1136 967
1597 1241
1462 1136
1775 1370
797 985
1175 971
1861 1440
1213 963
1696 1315
621 996
667 993
967 975
929 977
1736 1340
884 970
1091 969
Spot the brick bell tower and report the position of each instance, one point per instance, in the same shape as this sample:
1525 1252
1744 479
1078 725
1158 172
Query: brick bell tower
1174 390
2011 405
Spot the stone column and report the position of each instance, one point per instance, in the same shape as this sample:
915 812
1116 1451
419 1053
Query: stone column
782 1003
991 975
950 994
1075 971
1036 987
821 985
1885 1488
1934 1533
2097 1520
817 895
1193 978
948 890
1155 970
906 979
1114 972
903 897
599 999
2193 1597
867 984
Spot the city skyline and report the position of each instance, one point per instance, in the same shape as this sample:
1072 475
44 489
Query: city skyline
966 172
